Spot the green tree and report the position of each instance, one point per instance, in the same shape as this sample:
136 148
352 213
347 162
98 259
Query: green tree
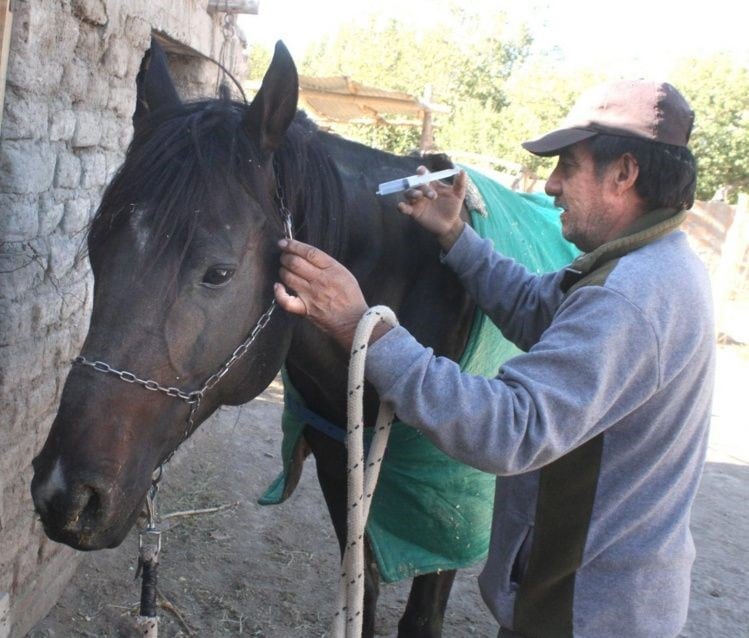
501 92
539 95
465 59
258 60
717 88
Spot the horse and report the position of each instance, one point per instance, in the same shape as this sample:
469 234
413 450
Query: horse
184 253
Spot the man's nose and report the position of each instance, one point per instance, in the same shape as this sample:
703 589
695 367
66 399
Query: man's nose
553 186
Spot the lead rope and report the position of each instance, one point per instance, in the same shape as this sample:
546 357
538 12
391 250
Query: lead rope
347 622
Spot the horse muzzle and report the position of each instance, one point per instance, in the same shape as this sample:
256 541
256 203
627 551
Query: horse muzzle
80 511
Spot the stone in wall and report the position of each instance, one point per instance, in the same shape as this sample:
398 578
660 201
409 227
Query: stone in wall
76 298
76 217
94 165
50 212
98 91
24 118
76 76
23 265
68 170
112 135
118 57
4 614
61 258
87 129
26 166
38 31
62 125
90 11
19 220
21 362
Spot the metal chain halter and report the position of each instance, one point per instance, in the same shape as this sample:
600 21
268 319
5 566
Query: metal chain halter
194 398
150 537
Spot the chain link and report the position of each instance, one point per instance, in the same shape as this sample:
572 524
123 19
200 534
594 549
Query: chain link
188 397
195 397
283 209
130 377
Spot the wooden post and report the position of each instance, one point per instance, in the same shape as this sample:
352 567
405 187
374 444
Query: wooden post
426 143
6 24
732 255
233 6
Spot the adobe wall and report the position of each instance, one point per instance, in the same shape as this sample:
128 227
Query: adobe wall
70 96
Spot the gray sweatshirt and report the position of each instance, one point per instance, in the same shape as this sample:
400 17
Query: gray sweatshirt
597 432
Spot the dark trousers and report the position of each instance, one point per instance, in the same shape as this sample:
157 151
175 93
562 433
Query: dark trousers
508 633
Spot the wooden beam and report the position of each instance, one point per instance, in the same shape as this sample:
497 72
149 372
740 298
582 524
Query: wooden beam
174 46
6 25
234 6
381 103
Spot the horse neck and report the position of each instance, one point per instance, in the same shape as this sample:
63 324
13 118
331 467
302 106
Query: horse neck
396 264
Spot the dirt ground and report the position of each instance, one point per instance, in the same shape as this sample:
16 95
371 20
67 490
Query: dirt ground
270 572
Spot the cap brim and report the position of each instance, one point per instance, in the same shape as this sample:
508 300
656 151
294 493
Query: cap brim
552 143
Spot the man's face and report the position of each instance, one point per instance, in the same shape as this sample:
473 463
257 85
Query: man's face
589 218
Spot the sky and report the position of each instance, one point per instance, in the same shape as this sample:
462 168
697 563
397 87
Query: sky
636 38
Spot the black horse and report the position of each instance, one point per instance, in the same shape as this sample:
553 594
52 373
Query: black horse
184 255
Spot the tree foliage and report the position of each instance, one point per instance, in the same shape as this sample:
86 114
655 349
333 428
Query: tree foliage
540 94
258 60
464 59
718 91
501 91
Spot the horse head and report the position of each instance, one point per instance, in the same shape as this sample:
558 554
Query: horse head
184 254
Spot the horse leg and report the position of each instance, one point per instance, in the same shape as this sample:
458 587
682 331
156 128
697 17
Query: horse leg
427 601
330 459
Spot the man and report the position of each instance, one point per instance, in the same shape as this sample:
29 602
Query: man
597 432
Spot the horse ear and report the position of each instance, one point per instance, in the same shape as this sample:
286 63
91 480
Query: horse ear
155 88
271 112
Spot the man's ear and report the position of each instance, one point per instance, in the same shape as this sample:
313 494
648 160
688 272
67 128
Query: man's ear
625 173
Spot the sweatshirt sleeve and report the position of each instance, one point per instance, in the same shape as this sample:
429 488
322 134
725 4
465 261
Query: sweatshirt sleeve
518 302
596 363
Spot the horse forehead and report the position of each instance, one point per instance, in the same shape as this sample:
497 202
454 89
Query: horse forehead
230 228
139 227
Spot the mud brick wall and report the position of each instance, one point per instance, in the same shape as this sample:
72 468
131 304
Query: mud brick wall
70 95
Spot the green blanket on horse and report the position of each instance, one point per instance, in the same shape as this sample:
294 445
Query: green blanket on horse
430 512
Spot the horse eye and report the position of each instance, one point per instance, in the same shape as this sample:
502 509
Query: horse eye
217 276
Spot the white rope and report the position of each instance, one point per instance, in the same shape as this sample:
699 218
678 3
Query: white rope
347 622
147 626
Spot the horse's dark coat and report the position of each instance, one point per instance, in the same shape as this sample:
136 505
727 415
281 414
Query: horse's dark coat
184 254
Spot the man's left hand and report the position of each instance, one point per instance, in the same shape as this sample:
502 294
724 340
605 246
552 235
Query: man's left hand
325 291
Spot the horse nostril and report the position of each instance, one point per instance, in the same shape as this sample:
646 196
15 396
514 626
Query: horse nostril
91 511
87 510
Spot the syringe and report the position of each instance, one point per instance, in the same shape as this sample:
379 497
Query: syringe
404 183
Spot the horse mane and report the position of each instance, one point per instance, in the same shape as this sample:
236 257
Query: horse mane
312 186
180 159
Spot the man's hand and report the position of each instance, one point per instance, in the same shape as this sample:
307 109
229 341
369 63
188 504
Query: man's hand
437 206
326 291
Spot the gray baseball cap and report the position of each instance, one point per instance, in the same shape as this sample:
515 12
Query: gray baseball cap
653 111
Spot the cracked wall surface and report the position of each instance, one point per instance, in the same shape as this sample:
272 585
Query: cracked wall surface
70 95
